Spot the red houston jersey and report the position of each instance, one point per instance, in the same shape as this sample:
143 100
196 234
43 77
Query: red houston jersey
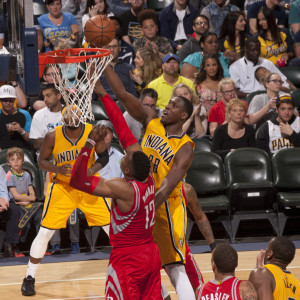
134 227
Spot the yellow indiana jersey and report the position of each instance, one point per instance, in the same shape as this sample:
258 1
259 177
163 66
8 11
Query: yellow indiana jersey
66 152
271 50
227 47
287 286
161 150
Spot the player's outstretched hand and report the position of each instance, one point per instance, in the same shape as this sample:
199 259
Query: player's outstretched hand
98 133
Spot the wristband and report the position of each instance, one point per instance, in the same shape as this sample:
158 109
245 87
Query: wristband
23 133
93 143
143 85
212 246
15 85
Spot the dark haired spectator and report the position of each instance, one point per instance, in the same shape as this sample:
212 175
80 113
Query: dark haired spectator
243 70
57 24
94 8
271 279
120 67
207 81
168 80
273 5
14 123
224 262
216 12
282 130
276 43
232 36
294 21
130 27
192 63
149 23
234 133
192 45
176 22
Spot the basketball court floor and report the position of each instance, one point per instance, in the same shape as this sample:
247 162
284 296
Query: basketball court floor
86 279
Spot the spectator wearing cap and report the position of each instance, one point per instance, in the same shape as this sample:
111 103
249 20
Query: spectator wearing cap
282 130
14 123
21 99
168 80
176 22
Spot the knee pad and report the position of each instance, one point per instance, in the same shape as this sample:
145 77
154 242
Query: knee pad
40 243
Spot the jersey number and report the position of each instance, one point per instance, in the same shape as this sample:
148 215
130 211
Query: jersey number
150 208
155 163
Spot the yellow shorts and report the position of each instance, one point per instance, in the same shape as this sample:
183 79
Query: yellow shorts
62 199
169 230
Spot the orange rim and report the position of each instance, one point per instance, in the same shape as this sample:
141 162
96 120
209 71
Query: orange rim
68 56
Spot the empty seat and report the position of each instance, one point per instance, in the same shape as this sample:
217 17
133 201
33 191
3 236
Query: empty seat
98 111
293 74
158 5
202 144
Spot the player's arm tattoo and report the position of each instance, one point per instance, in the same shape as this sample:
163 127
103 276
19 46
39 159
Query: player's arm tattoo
247 291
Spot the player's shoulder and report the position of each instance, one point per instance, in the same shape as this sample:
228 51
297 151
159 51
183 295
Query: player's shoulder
247 290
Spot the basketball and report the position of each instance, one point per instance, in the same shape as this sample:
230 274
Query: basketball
99 31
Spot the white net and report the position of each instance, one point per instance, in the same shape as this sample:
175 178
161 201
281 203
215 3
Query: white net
76 82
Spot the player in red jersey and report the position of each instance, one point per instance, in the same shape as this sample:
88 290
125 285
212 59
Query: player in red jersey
134 265
226 286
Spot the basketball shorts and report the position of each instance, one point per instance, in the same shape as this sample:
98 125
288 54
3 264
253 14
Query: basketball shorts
169 230
61 200
192 269
134 273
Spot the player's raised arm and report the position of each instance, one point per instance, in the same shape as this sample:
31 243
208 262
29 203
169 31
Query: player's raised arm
182 161
134 107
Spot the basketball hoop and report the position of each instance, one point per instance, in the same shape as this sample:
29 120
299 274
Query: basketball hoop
87 65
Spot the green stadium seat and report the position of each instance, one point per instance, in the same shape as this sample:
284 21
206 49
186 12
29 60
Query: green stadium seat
202 144
293 74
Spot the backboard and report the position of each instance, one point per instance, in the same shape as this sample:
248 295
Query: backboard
22 61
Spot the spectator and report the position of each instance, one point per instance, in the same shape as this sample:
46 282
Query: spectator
149 23
46 118
271 279
117 7
14 123
4 205
192 45
207 81
217 115
263 106
130 27
76 8
21 193
243 70
216 12
176 22
120 67
294 21
49 77
232 36
234 133
57 24
148 97
273 5
224 262
148 68
21 99
192 63
282 130
126 53
165 83
196 125
94 8
276 43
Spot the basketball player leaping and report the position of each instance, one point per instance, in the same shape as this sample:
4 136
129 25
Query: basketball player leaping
171 154
64 143
134 265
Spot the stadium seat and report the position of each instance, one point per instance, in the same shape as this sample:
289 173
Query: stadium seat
286 173
28 156
202 144
296 97
250 96
206 175
250 186
293 74
120 105
98 111
158 5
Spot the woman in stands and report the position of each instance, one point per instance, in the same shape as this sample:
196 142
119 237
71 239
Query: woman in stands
57 24
94 8
232 36
147 68
235 133
196 125
209 45
276 43
207 81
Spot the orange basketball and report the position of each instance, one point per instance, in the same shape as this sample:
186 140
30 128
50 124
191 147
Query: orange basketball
99 31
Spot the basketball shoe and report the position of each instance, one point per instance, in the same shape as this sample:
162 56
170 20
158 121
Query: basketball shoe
28 286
